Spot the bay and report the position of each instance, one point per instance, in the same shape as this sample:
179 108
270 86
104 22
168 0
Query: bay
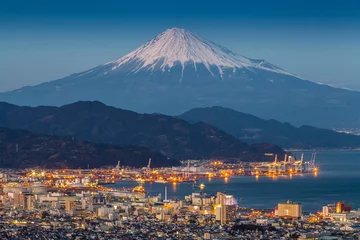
337 180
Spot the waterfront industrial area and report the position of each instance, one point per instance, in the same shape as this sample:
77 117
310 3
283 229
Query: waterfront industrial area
190 171
86 204
196 169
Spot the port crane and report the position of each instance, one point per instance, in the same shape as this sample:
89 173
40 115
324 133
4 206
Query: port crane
117 168
312 160
148 169
288 165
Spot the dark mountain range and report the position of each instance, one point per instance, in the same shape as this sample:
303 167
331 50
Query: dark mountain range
20 149
96 122
178 70
252 129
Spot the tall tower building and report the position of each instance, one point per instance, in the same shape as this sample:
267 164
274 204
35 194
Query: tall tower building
19 200
225 208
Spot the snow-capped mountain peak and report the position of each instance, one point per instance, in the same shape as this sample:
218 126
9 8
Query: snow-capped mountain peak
180 46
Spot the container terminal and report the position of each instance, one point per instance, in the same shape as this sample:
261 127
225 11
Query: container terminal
190 171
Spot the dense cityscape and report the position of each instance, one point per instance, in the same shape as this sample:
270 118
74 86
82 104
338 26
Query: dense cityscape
83 204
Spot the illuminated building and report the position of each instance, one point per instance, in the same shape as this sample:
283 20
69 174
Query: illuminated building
200 200
225 208
96 202
290 209
29 200
343 217
225 199
70 206
18 200
225 213
264 221
105 211
98 199
327 210
24 200
341 207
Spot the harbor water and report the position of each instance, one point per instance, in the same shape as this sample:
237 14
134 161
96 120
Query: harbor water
338 179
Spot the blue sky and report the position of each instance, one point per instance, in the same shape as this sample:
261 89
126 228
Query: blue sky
46 40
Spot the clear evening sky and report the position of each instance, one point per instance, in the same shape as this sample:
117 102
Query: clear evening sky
46 40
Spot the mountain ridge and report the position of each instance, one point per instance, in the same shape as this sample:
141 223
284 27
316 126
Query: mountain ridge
252 129
22 149
198 73
96 122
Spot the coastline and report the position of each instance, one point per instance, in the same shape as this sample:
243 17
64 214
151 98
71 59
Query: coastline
323 150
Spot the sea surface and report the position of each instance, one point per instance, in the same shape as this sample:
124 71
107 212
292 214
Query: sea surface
338 179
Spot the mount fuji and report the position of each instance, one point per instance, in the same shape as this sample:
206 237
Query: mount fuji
178 70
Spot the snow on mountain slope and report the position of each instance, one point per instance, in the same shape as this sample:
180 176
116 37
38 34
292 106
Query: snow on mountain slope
180 46
177 71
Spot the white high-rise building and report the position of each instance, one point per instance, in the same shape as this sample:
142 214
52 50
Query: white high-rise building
225 208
